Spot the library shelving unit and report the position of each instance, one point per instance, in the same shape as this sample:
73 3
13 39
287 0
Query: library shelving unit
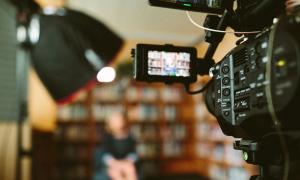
174 132
161 120
214 151
73 140
158 119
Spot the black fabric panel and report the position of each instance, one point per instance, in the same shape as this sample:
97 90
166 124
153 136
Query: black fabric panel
59 57
102 40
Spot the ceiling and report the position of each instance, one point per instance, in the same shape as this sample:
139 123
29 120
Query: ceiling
136 20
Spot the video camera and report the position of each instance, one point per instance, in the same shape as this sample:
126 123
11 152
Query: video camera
254 89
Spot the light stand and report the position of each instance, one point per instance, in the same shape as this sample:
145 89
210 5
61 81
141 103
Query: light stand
22 74
22 64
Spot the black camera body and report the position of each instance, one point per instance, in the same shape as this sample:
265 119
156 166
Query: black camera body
238 94
238 89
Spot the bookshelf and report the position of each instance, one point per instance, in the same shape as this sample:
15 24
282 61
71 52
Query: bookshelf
158 120
174 132
215 149
73 140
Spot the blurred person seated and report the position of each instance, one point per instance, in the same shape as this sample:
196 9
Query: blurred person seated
117 158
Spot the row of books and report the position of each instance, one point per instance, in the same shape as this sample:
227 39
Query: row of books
230 173
144 94
201 112
78 171
147 150
115 92
111 93
219 153
172 149
165 94
152 150
143 112
210 131
75 133
76 112
170 113
68 152
147 132
150 132
102 112
174 132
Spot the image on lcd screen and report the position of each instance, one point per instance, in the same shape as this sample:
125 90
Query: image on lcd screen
163 63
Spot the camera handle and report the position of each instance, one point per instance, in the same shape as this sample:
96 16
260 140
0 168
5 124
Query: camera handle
214 39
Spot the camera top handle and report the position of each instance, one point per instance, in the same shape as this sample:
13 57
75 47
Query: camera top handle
214 38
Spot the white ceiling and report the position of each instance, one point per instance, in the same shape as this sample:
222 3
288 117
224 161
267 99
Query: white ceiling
136 20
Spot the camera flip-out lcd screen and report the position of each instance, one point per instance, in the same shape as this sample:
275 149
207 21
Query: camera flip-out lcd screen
163 63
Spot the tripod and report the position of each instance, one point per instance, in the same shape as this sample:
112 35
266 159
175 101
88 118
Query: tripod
268 155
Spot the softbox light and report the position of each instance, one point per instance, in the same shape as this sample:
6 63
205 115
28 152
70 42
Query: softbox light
72 47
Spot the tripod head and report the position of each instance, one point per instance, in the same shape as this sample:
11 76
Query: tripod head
269 156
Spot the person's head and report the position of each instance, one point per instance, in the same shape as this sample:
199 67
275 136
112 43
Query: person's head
116 123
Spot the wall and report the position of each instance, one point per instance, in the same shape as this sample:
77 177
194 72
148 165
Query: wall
7 150
42 108
225 46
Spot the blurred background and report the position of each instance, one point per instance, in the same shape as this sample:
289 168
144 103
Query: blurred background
176 137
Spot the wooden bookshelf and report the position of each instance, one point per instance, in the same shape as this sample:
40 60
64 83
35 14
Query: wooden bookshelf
215 150
158 119
174 131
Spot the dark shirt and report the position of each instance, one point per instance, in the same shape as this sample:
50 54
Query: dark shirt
119 148
112 147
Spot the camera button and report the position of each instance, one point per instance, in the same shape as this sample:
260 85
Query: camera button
226 92
225 69
228 104
258 47
226 113
226 81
